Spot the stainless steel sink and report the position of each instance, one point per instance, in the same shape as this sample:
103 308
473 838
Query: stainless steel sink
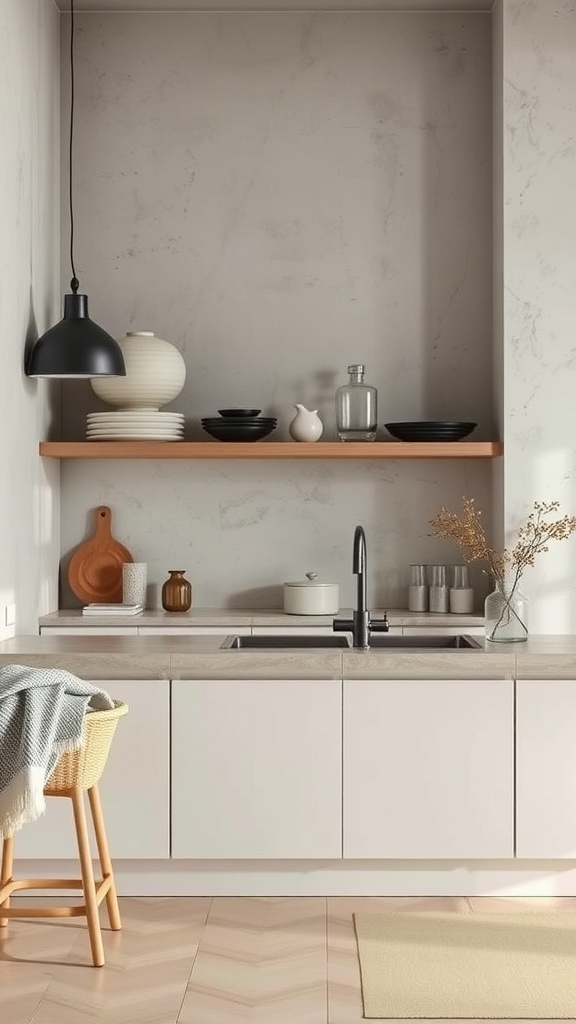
457 642
237 643
381 641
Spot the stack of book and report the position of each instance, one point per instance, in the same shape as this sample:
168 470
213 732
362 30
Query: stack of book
112 609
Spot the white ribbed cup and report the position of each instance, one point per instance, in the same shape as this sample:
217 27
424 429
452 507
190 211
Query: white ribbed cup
134 578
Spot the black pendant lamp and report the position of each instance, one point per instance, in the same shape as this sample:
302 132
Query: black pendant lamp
76 347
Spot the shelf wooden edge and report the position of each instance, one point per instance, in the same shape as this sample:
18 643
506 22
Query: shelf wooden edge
270 450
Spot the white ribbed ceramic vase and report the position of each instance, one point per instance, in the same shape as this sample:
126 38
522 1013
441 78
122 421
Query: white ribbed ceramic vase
155 374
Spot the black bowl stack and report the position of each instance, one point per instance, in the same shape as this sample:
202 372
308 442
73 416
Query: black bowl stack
239 425
430 430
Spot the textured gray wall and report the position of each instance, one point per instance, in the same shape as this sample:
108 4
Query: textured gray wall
280 195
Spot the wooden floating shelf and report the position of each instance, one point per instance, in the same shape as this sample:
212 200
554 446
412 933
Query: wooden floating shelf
271 450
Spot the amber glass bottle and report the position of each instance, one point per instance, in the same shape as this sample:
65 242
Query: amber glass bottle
176 592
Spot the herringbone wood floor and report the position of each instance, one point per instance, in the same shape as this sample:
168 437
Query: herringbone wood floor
227 960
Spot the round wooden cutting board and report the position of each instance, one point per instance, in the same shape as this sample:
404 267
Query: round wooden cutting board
95 570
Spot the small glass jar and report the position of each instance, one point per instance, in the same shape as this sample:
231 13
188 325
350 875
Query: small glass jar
176 592
506 614
438 595
461 593
356 407
418 589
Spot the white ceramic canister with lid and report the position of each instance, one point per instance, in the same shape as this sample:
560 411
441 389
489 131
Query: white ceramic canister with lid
155 374
311 596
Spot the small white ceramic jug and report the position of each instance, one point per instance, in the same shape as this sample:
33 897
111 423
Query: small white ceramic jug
306 425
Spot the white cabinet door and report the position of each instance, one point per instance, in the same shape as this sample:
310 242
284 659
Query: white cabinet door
428 769
134 787
256 768
546 768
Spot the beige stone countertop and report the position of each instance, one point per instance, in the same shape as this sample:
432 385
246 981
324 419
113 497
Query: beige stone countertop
546 657
200 657
219 617
99 657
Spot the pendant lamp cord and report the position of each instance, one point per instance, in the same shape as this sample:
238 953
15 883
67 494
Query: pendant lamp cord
74 283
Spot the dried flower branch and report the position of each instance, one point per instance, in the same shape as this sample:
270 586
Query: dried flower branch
467 531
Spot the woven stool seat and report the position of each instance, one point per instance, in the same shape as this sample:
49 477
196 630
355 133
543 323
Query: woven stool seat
84 767
75 772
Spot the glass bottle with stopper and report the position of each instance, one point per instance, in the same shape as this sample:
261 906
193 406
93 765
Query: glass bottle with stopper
356 407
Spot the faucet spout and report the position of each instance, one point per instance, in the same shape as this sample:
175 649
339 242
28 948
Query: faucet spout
361 625
359 568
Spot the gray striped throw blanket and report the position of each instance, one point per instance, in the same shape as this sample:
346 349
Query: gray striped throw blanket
41 716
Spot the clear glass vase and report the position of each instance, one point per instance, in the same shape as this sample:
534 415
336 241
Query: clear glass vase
506 614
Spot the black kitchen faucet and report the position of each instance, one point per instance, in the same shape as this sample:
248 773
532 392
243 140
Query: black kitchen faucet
361 624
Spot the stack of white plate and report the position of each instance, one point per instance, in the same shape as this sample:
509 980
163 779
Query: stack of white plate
142 425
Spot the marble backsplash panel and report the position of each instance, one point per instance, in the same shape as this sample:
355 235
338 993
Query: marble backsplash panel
241 529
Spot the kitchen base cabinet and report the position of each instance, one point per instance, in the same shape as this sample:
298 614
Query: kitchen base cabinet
546 768
134 787
256 769
428 768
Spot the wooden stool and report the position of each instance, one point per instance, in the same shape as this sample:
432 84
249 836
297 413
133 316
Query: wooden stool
75 772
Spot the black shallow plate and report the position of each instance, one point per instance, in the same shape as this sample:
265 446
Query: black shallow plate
430 430
430 433
245 421
431 425
238 424
257 428
247 432
235 413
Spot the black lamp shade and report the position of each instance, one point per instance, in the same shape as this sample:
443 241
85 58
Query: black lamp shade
76 347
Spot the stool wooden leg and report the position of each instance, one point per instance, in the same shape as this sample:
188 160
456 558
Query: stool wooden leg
6 873
105 860
84 853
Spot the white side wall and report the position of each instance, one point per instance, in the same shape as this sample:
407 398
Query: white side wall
29 304
539 114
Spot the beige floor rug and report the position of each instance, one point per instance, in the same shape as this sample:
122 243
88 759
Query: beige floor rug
426 965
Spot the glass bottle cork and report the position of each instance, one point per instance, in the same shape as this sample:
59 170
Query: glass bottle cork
356 407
